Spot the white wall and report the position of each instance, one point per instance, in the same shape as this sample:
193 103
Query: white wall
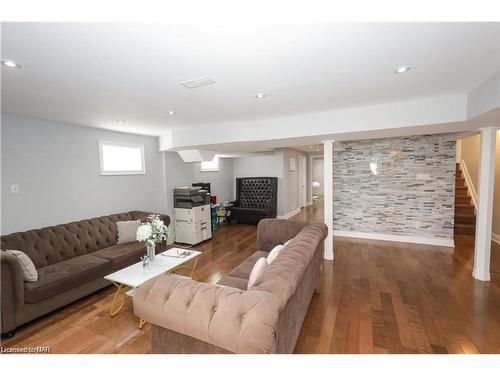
177 173
56 166
221 182
57 169
276 165
291 179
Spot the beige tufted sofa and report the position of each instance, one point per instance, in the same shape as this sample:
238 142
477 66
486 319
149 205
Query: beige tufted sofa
193 317
71 260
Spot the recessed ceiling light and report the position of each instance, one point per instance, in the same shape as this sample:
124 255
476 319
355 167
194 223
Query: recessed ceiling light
171 113
402 69
260 95
121 122
10 64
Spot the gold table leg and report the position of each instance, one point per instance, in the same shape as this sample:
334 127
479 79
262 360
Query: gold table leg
118 300
193 270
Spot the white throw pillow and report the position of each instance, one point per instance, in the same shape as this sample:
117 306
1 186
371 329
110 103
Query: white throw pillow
257 271
127 230
30 274
274 253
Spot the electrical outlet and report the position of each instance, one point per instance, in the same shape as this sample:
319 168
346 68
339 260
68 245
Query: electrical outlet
14 189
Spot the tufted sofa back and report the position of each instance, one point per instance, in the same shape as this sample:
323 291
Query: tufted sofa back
60 242
256 192
187 316
284 275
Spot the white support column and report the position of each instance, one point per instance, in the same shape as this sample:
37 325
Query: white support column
484 214
328 196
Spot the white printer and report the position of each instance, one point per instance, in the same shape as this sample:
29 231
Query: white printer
192 215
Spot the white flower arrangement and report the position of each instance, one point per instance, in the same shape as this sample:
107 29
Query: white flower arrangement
152 232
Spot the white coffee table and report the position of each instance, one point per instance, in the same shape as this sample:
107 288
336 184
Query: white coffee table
135 275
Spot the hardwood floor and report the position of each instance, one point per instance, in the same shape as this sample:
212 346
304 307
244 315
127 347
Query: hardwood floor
376 297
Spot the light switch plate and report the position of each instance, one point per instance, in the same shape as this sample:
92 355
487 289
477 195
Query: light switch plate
14 189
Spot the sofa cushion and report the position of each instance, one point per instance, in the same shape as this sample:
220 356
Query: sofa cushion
284 274
122 255
274 253
30 273
65 275
257 271
127 230
233 282
244 269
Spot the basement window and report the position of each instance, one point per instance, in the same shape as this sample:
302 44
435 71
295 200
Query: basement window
118 158
210 166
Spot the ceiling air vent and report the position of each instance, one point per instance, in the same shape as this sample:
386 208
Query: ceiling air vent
197 82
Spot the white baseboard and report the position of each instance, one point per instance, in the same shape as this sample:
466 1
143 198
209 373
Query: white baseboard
289 215
495 237
397 238
468 182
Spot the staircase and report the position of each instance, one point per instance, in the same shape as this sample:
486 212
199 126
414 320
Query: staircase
465 217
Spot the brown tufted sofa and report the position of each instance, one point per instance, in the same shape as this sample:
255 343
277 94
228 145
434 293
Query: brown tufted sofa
71 260
193 317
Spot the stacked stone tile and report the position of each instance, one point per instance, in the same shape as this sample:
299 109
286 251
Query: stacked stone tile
376 189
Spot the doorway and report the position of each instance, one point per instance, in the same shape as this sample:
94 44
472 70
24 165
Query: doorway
303 181
317 178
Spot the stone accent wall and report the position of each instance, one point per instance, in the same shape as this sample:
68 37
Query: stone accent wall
398 186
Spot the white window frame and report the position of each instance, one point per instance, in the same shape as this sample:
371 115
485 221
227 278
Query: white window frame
121 172
211 168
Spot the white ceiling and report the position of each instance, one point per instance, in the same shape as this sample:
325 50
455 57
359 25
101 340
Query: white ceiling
93 74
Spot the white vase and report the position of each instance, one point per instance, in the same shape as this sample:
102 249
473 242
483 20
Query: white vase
150 252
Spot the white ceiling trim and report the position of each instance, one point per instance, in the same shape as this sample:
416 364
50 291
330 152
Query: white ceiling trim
485 97
405 114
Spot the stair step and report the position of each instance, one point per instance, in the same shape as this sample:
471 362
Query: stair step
465 228
464 209
465 219
461 189
462 199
